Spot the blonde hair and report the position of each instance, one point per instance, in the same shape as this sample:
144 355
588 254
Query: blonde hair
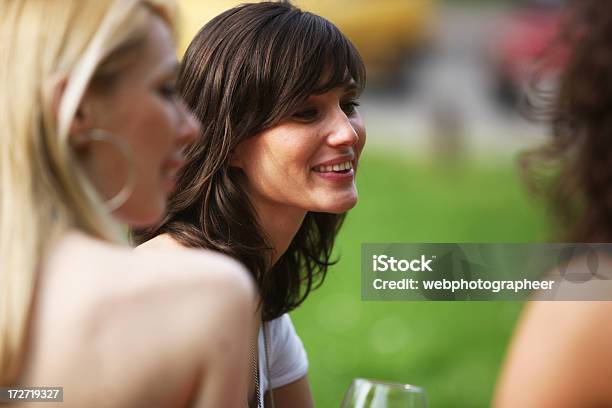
43 191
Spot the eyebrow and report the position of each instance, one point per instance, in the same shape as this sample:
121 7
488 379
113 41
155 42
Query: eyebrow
350 88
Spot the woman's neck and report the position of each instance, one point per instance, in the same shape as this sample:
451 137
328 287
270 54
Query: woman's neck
279 226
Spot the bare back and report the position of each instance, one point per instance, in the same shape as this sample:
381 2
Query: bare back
117 327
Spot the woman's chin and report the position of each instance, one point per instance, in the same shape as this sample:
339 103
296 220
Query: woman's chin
141 216
340 206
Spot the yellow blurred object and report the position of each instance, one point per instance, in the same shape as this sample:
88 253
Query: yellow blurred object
384 31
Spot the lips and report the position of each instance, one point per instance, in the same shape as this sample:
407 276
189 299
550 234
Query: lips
348 165
340 164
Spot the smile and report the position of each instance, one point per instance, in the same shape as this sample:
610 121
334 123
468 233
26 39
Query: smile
338 168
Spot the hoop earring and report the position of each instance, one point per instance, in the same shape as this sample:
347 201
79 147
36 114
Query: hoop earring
104 136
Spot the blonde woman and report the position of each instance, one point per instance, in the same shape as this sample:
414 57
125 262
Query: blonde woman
92 134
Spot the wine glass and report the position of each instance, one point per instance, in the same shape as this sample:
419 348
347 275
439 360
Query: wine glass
365 393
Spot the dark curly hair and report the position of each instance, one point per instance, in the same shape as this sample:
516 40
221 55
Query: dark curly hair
574 170
244 72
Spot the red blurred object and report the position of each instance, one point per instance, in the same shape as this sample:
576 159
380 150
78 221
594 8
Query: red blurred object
523 39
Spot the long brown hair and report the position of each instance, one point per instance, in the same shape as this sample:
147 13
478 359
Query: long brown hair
245 71
573 171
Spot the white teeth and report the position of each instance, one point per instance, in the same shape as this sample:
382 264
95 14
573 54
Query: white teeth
336 167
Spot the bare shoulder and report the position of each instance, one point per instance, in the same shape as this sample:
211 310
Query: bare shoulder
106 272
139 317
163 241
172 281
178 264
561 356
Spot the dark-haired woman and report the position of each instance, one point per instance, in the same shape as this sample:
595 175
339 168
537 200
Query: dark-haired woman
561 355
273 174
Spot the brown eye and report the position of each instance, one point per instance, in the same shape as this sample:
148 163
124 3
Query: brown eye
349 107
307 114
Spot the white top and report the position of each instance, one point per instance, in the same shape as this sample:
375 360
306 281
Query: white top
288 360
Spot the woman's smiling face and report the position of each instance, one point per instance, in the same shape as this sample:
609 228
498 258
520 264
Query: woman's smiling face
307 162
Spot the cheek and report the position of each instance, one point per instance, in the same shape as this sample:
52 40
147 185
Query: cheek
278 153
151 131
148 126
151 118
154 130
276 169
297 158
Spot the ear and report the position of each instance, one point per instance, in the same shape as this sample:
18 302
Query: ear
81 122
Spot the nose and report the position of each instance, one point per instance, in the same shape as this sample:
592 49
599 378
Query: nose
189 128
341 131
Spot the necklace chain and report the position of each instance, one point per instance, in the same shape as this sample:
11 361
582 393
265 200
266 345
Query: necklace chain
255 373
255 368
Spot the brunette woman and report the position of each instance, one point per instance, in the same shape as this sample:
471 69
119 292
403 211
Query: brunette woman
273 174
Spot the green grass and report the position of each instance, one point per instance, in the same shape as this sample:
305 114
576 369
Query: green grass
453 349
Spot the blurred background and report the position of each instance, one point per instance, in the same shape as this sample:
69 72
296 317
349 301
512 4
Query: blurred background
444 114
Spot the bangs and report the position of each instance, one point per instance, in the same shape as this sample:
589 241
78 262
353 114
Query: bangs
308 55
253 65
334 61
